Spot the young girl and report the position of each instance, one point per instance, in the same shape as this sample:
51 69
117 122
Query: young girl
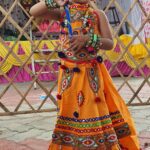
92 115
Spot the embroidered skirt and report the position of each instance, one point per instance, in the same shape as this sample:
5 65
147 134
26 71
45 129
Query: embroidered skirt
92 115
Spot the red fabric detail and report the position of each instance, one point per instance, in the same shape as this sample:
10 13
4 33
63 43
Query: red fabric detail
84 31
59 96
63 67
93 63
97 100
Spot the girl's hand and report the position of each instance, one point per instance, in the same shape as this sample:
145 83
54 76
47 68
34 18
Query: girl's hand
61 2
77 42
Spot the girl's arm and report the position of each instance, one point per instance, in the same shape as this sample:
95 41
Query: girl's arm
104 27
40 10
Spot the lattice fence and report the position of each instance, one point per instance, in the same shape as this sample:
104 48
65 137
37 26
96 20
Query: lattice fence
26 50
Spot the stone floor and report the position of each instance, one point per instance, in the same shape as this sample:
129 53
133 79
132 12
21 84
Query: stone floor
33 131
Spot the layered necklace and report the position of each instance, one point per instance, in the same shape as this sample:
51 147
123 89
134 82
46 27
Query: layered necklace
78 13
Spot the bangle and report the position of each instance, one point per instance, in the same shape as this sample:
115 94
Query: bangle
99 43
89 45
94 43
51 4
94 40
90 41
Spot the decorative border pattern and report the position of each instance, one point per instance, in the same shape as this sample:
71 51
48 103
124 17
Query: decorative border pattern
99 132
122 130
107 139
113 116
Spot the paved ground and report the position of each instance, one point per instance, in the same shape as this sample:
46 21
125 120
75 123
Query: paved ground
33 131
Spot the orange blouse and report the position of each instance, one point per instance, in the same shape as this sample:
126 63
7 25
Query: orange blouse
77 13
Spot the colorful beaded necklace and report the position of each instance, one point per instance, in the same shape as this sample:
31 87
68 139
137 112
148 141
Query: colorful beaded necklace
78 13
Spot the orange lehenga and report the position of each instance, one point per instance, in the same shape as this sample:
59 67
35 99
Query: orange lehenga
92 115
